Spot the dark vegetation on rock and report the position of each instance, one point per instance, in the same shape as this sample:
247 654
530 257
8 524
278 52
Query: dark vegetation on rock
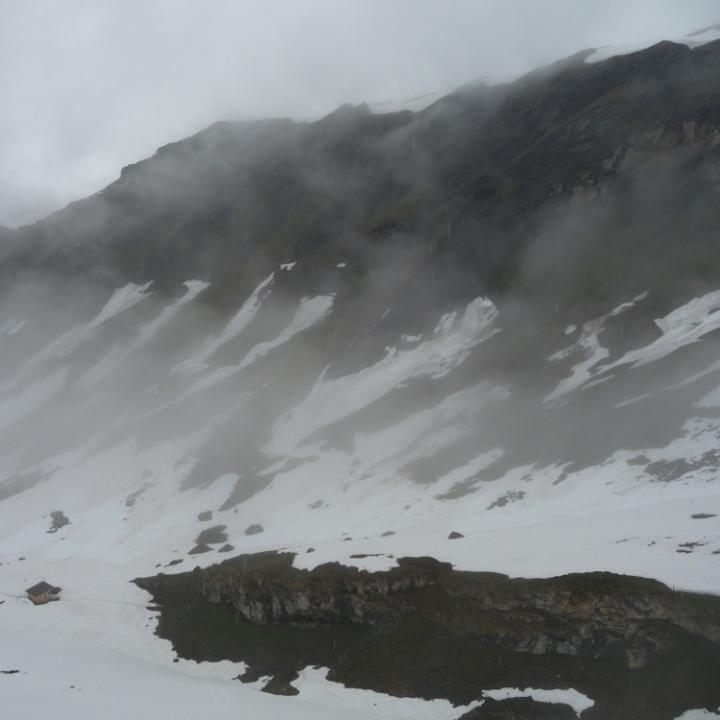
640 650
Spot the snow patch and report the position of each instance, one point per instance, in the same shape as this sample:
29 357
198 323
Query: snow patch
332 400
316 688
121 300
198 361
699 715
310 312
576 700
117 355
681 327
31 397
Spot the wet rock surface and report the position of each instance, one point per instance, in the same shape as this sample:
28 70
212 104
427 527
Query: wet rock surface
638 649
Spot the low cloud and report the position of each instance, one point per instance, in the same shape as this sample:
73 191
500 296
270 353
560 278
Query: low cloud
89 87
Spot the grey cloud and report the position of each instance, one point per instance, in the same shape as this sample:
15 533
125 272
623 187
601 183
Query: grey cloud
89 86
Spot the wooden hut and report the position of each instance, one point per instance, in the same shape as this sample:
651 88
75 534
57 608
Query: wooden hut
43 592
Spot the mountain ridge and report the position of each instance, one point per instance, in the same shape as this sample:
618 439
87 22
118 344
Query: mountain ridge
484 204
485 333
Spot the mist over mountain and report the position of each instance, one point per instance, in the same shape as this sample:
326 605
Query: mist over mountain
456 363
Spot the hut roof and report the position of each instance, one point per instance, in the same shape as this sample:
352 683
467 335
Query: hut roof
42 587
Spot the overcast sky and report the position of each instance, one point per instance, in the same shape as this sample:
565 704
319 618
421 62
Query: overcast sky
87 86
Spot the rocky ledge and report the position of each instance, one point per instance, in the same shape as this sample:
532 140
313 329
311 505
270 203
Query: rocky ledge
637 648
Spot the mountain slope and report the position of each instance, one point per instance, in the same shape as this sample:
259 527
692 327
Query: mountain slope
496 318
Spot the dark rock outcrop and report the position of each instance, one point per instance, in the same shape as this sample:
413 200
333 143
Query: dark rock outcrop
637 648
59 521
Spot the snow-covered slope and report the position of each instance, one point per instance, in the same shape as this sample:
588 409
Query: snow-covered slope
156 426
124 482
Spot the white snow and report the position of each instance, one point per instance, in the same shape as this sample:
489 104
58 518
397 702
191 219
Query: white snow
699 715
594 352
30 398
576 700
314 687
310 312
331 400
681 327
633 400
588 346
93 655
611 516
288 266
242 318
118 354
121 300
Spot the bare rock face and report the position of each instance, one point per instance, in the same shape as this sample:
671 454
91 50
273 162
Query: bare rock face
424 629
596 614
274 592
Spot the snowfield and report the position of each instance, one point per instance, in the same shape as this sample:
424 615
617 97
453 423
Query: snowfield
127 486
93 655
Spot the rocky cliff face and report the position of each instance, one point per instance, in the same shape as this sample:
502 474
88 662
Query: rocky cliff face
578 627
464 187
